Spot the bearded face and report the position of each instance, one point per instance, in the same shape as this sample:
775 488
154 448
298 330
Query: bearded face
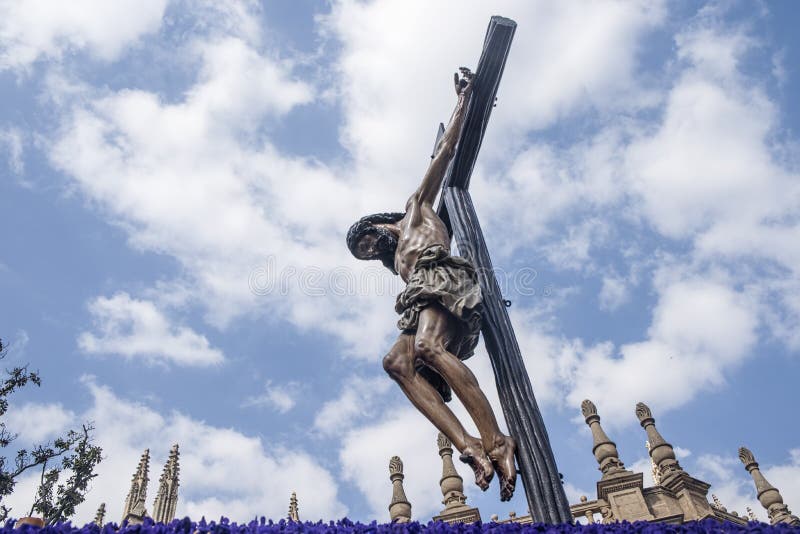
367 241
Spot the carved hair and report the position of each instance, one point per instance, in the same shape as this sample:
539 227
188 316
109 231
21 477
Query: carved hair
386 242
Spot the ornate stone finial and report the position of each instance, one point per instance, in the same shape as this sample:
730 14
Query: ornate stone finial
135 511
747 458
395 466
604 450
768 495
653 466
294 509
451 483
643 412
717 504
661 452
750 514
588 408
167 497
494 518
399 508
100 515
584 498
512 516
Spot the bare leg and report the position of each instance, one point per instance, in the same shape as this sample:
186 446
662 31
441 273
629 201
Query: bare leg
400 365
433 332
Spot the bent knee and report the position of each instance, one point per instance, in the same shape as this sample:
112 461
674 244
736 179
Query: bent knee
427 349
397 365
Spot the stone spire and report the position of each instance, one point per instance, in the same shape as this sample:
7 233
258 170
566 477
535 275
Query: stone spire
604 450
294 509
614 475
661 452
451 482
717 503
135 510
769 497
751 515
101 514
452 485
653 466
399 508
167 496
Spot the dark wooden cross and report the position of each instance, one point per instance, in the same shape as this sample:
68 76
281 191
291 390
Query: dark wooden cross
537 466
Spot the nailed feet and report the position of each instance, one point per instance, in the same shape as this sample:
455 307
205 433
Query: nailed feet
502 457
473 456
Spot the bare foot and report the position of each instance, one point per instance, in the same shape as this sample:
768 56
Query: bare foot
502 457
474 456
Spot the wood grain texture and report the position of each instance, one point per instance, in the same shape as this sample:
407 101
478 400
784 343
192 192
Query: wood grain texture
488 73
540 477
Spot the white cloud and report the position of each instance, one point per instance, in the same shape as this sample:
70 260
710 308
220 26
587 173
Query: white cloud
708 163
37 423
33 29
210 456
613 293
12 139
199 180
730 483
279 397
16 348
356 400
138 329
597 54
700 330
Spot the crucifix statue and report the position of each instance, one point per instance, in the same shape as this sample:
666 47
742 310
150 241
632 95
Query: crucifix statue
440 313
449 300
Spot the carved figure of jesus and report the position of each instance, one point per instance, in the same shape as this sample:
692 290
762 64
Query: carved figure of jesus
440 312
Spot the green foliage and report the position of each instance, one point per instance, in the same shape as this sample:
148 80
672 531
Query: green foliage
73 454
80 463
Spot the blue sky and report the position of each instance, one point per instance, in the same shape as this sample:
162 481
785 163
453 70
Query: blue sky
178 176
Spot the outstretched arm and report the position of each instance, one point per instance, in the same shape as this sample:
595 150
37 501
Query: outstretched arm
432 181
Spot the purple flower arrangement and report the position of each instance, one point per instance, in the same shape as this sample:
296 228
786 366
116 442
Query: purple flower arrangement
345 526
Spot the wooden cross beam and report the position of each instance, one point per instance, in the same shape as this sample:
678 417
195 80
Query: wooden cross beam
537 466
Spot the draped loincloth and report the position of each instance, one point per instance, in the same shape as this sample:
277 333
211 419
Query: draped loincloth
450 281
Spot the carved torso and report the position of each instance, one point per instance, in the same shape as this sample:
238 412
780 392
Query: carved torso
419 229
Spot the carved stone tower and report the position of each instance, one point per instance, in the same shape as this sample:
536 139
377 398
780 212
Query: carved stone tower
135 511
294 508
661 452
604 450
691 493
455 507
167 496
768 495
101 514
399 508
674 498
619 488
